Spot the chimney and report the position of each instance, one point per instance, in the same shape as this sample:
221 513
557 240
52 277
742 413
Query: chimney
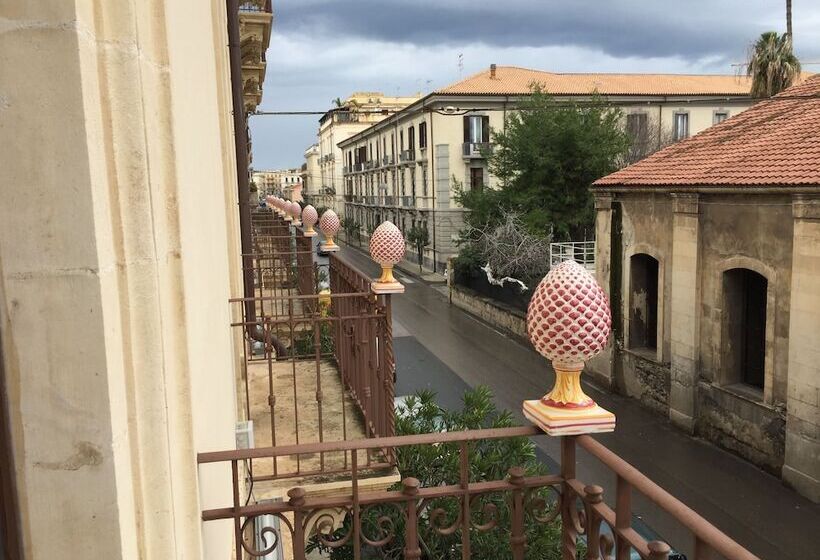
492 71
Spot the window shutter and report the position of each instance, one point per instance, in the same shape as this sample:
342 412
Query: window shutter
485 129
466 128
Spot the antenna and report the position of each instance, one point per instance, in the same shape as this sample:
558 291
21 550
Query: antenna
460 64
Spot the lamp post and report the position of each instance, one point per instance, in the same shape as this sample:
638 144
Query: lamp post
387 248
329 224
568 322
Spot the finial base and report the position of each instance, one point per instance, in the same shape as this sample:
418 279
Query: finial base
386 287
329 246
566 421
309 233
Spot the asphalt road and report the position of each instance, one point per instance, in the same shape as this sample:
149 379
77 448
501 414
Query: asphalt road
438 346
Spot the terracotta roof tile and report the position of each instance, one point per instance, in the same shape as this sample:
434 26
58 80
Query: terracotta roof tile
511 80
775 142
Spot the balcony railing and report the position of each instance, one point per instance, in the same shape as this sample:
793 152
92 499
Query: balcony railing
407 515
476 150
582 252
318 366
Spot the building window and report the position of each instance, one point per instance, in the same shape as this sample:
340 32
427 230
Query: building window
681 129
423 135
476 129
744 342
719 117
637 127
643 302
411 139
476 178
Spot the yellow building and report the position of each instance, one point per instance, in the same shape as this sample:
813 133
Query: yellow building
403 168
353 115
120 187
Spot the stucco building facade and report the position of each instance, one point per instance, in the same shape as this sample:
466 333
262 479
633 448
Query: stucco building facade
710 252
406 167
356 113
113 375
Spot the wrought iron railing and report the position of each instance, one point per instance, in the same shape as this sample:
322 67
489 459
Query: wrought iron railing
409 514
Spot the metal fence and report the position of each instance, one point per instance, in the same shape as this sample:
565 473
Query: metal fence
582 252
410 514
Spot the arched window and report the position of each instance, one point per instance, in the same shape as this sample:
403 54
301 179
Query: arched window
643 302
744 341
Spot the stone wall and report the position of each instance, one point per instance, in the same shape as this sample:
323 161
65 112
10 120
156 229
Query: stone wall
489 310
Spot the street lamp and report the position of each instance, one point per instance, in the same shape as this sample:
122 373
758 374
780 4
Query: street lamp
568 322
387 248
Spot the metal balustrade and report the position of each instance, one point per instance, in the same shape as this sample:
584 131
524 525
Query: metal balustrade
517 506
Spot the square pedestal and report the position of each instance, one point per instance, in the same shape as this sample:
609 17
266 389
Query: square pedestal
569 421
328 248
386 288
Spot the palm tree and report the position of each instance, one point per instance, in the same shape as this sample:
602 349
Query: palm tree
772 64
789 18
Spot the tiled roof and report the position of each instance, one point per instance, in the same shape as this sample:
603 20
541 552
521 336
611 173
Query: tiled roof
511 80
775 142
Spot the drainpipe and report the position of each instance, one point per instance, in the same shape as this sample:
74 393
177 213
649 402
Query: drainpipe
240 134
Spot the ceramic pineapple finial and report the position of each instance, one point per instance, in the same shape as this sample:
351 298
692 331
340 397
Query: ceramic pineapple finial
295 212
286 211
329 224
568 322
309 219
387 248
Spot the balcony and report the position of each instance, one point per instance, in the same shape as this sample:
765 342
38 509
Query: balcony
328 470
476 150
407 156
387 160
319 366
256 19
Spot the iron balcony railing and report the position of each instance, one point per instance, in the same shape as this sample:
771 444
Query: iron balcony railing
408 514
476 150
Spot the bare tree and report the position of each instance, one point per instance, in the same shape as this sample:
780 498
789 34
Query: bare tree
648 135
511 251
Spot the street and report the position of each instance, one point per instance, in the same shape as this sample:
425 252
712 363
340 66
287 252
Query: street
440 347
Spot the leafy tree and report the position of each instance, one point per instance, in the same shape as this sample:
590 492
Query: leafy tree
419 237
436 465
351 228
547 156
772 64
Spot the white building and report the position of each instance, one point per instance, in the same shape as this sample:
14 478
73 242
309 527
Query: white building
403 168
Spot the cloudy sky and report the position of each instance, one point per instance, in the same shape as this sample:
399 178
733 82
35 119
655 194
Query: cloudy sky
323 49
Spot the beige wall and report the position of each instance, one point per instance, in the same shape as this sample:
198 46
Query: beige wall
119 192
696 238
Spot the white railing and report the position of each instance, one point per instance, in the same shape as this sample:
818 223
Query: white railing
582 252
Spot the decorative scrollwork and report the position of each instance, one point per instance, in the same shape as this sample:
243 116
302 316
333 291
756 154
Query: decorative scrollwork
383 524
488 514
577 513
539 507
324 522
438 517
265 533
606 544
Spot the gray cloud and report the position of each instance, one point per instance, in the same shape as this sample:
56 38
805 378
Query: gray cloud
321 49
692 28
